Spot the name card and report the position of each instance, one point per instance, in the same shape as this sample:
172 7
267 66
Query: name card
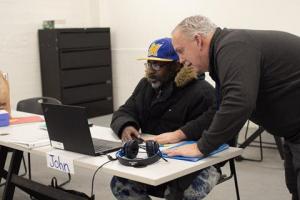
60 163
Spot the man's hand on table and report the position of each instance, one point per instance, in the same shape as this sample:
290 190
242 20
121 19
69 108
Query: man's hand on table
175 137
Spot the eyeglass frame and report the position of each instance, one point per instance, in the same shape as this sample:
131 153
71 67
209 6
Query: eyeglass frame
156 66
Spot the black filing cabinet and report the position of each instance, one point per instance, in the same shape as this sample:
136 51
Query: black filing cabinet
76 67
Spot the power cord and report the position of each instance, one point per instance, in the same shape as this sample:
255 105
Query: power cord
93 179
110 159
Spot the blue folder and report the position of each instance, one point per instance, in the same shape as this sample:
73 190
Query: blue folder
194 159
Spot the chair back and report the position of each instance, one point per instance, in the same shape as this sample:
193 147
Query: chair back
34 105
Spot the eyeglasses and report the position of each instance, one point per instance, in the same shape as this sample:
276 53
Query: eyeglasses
155 66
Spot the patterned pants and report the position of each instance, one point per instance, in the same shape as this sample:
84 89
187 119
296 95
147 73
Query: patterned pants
198 189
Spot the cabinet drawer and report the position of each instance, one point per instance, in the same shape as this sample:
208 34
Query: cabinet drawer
79 77
77 59
97 108
84 39
86 93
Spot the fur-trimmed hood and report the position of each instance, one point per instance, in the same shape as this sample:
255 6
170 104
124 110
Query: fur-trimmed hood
184 76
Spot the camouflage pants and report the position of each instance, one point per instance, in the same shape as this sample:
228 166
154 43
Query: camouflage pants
198 189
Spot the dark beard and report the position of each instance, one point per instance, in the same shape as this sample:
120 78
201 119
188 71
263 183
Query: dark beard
153 79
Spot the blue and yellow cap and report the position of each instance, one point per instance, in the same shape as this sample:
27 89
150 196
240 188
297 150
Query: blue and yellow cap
162 50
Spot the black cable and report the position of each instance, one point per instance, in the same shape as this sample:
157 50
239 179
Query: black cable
162 157
110 160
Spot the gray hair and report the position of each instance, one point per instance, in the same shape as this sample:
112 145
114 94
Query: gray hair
193 25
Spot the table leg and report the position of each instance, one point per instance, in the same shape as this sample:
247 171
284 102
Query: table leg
14 167
232 168
3 156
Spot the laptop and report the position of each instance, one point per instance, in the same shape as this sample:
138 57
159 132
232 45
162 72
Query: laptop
68 129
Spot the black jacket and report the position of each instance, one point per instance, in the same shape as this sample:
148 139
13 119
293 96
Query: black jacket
172 110
259 77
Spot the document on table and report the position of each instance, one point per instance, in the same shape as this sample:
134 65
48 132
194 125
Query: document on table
192 159
26 136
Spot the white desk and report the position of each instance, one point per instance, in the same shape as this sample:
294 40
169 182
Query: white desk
159 172
154 174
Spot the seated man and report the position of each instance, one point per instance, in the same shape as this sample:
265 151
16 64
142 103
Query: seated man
166 99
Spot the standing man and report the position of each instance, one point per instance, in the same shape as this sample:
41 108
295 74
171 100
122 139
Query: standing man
257 75
168 98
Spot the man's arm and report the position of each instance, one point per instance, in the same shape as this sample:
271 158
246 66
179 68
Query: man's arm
200 112
194 128
239 75
168 137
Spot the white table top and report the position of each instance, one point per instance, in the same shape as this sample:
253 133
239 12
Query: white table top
155 174
159 172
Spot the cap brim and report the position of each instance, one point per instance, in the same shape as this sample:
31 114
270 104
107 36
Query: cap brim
156 59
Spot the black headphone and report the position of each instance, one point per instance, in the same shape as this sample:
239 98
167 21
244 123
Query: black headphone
127 155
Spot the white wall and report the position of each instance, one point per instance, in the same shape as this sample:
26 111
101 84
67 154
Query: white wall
135 23
19 22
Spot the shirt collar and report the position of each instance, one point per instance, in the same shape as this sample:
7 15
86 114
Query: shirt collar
212 67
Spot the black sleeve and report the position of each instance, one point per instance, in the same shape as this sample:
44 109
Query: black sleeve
127 114
239 75
201 111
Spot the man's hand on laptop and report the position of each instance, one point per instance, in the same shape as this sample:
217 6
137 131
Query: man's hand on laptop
168 137
129 133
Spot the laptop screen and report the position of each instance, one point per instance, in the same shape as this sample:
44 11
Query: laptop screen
68 128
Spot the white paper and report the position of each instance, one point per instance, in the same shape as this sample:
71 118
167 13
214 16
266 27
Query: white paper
28 136
62 160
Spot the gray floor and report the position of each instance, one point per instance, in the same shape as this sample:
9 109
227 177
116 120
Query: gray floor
257 180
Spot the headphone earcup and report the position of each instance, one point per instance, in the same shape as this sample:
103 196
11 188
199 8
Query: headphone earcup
152 147
131 149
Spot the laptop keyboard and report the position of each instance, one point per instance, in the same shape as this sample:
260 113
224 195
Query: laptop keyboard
105 145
